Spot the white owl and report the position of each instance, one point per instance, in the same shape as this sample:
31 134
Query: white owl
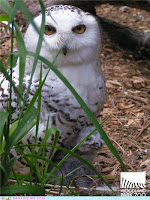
77 33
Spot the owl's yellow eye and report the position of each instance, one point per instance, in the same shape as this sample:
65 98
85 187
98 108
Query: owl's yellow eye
49 30
79 29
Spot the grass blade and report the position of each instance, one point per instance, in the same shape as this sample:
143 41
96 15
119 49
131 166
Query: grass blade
4 17
27 14
52 149
12 13
38 48
22 58
5 6
3 118
15 58
22 189
8 166
25 125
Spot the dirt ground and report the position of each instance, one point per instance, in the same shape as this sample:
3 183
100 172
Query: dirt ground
128 105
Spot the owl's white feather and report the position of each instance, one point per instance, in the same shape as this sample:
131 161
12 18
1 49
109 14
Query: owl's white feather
81 66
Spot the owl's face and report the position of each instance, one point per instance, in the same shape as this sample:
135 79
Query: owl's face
67 28
93 142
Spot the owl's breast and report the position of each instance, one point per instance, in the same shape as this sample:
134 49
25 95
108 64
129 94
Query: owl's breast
59 99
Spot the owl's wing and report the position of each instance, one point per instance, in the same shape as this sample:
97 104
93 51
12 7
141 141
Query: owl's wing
55 97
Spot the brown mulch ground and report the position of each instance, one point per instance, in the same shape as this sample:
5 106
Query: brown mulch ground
128 105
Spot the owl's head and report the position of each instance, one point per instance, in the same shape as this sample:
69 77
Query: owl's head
92 143
70 29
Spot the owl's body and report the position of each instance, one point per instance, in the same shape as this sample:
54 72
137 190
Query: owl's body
79 62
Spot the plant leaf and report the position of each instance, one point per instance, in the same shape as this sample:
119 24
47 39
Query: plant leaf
3 118
5 6
22 189
22 57
40 40
23 128
4 17
15 58
8 166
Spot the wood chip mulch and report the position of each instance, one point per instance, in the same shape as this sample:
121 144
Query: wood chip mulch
128 105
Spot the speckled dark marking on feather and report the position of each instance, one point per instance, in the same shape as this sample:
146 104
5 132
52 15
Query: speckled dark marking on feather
69 133
63 8
54 120
56 101
59 119
52 108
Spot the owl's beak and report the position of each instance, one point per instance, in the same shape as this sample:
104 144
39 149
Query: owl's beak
64 49
98 143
